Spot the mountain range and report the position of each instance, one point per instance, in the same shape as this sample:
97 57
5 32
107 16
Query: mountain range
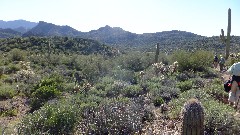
107 35
21 26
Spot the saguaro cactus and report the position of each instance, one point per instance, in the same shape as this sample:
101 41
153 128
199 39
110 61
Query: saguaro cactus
157 53
224 40
193 118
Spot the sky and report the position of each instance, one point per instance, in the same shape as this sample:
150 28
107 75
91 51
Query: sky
202 17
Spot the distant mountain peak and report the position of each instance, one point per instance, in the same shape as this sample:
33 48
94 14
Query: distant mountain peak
16 24
49 29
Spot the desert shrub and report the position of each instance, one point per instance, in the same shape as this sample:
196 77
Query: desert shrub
147 59
12 68
217 91
8 113
113 90
198 83
131 61
96 92
69 87
113 116
17 55
158 101
196 61
169 82
7 91
124 75
8 79
185 75
218 116
132 91
165 92
2 70
209 73
55 119
41 95
47 89
103 82
216 88
92 66
185 85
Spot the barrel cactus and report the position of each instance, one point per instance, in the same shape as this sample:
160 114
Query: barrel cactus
193 118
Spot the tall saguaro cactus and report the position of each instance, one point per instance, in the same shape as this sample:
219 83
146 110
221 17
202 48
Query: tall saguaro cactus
227 40
193 118
157 53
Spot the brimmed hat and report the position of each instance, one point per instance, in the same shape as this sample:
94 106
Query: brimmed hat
234 69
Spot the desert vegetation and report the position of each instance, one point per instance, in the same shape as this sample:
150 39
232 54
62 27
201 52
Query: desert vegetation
65 85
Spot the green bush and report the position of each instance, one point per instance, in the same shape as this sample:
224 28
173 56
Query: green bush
17 55
42 95
7 91
113 90
185 85
132 61
198 83
55 119
158 101
47 89
158 90
132 91
8 113
12 68
197 61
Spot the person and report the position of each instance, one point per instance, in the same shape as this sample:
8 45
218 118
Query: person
215 61
221 63
234 94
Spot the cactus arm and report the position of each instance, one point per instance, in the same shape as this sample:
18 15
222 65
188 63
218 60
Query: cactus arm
222 36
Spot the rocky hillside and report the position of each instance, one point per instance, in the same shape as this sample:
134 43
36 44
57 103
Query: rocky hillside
49 29
18 25
6 33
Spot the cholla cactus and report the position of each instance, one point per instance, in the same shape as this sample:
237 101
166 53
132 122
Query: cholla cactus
173 67
193 118
86 87
76 88
164 69
25 73
160 68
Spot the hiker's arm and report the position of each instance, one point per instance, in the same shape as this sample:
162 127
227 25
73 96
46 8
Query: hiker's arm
234 86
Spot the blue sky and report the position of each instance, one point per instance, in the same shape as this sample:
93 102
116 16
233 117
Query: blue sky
203 17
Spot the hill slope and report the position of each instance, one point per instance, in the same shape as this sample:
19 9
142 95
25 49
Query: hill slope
6 33
18 25
56 45
49 29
